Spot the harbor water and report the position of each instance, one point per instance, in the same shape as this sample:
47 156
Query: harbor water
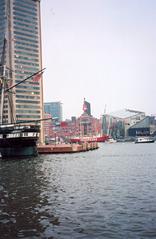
105 193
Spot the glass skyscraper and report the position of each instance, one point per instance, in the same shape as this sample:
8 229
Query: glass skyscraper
54 109
20 25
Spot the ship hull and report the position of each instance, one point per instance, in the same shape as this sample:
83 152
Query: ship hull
18 141
19 147
143 140
22 152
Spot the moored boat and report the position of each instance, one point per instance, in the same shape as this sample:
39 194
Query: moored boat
98 139
144 140
111 140
18 140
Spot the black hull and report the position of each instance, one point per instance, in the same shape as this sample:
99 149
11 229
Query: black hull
147 142
18 147
18 141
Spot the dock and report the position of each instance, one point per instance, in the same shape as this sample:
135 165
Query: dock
66 148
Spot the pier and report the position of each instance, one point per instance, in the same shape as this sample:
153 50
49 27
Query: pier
66 148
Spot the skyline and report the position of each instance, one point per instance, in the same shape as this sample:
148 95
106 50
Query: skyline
103 51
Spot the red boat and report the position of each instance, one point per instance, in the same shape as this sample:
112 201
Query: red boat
99 139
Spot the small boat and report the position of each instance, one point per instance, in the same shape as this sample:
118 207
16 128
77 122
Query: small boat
111 140
144 140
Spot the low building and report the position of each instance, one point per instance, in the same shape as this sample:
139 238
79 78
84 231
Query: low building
144 127
116 124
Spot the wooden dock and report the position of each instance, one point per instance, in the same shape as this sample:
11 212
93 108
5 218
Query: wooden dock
66 148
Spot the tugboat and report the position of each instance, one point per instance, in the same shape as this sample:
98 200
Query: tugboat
17 139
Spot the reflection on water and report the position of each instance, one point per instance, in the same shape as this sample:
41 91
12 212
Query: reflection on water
106 193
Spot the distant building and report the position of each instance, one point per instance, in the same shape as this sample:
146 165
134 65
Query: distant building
88 125
145 127
86 107
48 127
117 124
55 109
73 119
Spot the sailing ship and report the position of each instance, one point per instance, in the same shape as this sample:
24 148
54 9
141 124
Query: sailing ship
17 139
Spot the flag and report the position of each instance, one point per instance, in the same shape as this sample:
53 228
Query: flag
37 77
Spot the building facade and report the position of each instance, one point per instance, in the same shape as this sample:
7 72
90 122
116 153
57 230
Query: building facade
145 127
55 109
88 125
86 107
20 24
48 127
117 124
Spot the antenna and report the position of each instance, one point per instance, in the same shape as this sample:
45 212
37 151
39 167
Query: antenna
105 109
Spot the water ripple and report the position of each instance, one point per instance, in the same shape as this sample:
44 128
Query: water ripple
107 193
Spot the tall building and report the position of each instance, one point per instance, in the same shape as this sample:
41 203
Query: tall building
55 109
20 24
87 107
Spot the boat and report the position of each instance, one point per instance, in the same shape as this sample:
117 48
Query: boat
111 140
146 139
17 139
102 138
99 139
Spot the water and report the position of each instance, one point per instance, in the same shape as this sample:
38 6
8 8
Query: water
106 193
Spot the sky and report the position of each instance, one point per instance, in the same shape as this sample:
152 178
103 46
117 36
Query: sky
100 50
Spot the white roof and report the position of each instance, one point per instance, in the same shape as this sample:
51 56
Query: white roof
125 113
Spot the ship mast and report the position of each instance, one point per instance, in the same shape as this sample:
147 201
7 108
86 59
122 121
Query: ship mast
3 79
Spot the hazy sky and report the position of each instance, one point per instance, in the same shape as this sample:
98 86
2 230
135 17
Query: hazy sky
103 50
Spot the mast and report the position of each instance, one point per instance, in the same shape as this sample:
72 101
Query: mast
108 129
2 79
34 74
2 98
